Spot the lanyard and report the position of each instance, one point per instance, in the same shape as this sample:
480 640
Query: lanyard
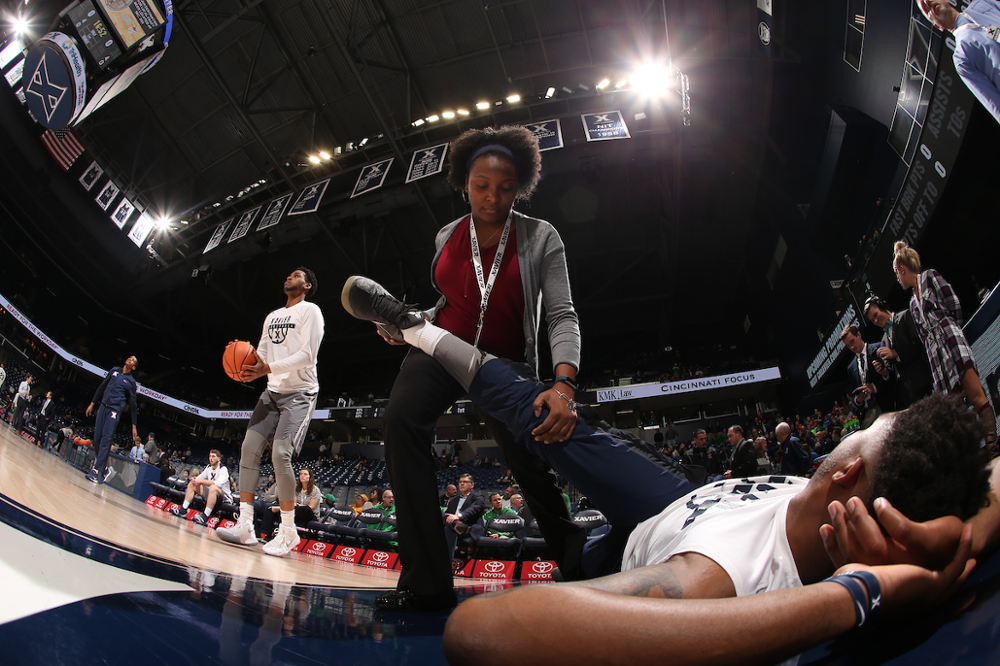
992 31
486 285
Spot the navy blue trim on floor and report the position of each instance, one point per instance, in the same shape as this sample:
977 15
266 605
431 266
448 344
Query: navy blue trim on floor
225 619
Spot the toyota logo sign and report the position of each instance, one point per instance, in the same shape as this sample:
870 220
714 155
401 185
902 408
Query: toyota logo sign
456 565
348 552
379 556
316 547
542 567
493 566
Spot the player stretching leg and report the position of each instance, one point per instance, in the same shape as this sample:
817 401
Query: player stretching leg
288 350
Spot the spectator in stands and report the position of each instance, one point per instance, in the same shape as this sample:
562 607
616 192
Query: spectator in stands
266 485
508 493
307 498
764 465
212 484
937 315
387 506
375 495
518 506
136 454
21 399
871 391
794 459
976 53
166 471
744 460
506 479
151 450
496 509
3 378
449 491
462 511
902 353
671 434
700 455
361 503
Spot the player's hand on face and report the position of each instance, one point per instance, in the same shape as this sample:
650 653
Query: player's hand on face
907 588
559 425
854 536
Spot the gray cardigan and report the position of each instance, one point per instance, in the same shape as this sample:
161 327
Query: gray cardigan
542 260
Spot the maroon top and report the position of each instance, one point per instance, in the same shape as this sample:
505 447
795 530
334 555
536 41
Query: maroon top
503 328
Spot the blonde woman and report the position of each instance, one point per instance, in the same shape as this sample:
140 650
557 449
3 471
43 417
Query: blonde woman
937 315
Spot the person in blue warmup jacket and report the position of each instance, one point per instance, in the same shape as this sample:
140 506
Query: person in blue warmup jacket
110 396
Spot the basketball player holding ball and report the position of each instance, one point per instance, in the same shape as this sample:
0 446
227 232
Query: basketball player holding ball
287 354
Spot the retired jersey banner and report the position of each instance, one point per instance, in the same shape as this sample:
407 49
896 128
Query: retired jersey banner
605 126
244 224
217 235
140 230
549 133
91 175
308 201
121 214
372 177
274 211
426 162
107 195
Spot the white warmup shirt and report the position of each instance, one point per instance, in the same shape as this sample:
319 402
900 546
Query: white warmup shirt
221 478
290 343
738 523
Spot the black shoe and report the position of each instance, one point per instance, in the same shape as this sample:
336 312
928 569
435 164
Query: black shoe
404 601
368 300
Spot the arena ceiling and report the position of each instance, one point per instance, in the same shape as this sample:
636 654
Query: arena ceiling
669 234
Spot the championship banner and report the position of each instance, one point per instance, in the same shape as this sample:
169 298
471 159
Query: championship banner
90 176
107 195
244 224
549 133
217 235
308 201
140 230
605 126
688 385
426 162
274 211
372 177
121 214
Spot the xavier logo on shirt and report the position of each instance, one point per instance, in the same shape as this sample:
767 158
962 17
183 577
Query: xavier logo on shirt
278 329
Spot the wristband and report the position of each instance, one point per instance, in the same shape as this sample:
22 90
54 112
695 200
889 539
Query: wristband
856 582
567 381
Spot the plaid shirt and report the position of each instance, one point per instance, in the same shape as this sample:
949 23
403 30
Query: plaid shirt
937 314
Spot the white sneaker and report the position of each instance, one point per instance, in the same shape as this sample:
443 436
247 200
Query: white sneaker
288 538
241 534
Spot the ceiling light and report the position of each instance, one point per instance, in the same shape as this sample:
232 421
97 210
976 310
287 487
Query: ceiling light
20 25
621 83
603 84
448 114
434 118
482 105
550 92
162 222
325 155
514 98
463 112
184 222
418 122
314 159
363 142
652 79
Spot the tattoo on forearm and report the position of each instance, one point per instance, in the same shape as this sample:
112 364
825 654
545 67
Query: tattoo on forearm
657 582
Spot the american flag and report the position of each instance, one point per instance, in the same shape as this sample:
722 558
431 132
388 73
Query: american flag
63 146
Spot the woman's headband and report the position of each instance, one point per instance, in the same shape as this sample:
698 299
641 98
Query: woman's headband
489 147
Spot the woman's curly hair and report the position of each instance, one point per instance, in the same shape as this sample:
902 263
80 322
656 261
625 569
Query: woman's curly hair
521 141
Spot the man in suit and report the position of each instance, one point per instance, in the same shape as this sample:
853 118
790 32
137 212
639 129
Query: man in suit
744 461
43 418
902 353
870 388
463 511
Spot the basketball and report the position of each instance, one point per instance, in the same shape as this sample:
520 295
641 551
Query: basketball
238 354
